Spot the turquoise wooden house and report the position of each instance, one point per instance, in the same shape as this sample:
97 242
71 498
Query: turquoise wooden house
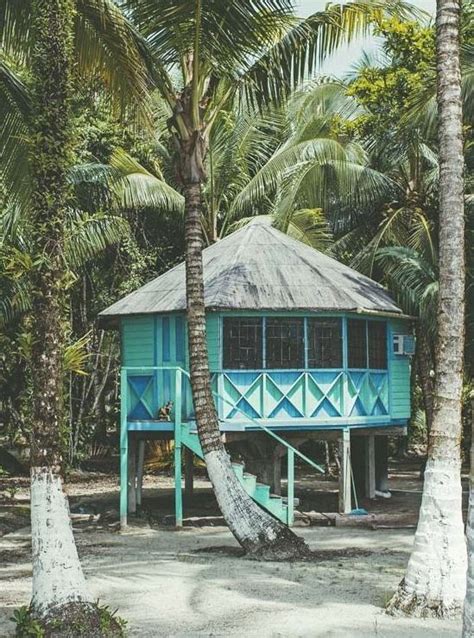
301 347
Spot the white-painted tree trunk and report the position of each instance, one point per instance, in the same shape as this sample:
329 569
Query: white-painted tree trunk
468 619
435 581
57 572
436 570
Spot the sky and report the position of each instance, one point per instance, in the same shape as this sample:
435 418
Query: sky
341 62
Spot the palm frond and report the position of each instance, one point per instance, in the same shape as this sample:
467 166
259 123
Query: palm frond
107 46
76 355
311 227
14 140
87 235
412 279
295 57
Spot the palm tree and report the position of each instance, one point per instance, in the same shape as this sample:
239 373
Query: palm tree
258 51
57 575
49 43
435 579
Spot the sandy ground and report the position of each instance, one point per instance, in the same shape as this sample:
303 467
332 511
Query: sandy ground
165 583
194 583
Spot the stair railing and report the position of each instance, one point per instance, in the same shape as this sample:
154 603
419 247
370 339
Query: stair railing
291 451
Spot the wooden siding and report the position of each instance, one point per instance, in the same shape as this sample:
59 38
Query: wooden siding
138 341
161 341
214 340
399 370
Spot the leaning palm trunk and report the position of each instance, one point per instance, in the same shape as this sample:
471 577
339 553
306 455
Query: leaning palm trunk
260 534
435 580
468 620
57 573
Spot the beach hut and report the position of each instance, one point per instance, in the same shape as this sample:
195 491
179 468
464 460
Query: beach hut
301 347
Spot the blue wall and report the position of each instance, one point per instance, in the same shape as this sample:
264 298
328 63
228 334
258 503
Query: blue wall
161 341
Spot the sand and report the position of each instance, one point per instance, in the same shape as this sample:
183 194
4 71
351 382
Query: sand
175 583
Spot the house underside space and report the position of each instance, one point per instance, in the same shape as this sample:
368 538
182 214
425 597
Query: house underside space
269 463
263 450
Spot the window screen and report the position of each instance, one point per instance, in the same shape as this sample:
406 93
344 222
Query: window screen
243 343
284 343
324 343
377 344
357 343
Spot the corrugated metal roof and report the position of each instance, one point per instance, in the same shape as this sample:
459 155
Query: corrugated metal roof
260 268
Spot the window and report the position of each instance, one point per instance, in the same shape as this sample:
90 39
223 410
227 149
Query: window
367 339
243 345
284 343
324 343
357 343
377 344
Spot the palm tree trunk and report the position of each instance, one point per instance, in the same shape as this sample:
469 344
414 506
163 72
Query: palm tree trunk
435 580
259 533
57 573
468 616
425 371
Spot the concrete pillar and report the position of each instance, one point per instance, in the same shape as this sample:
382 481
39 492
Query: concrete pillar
369 460
345 501
381 463
188 474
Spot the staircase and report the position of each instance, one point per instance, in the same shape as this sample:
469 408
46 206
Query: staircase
259 492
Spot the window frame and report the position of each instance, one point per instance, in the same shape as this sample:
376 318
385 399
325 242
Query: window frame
368 321
262 339
340 320
344 322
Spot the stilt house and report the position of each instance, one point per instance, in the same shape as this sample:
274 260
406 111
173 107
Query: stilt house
301 347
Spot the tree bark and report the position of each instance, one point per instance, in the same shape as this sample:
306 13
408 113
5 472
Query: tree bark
261 535
435 580
425 370
57 573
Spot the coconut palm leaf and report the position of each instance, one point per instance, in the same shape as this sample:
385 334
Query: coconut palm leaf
123 184
87 235
296 55
413 279
14 114
106 46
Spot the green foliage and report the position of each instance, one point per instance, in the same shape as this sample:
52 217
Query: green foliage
386 91
26 625
72 620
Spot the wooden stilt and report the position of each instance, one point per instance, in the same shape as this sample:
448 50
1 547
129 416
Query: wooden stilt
123 450
276 483
369 442
381 463
188 474
132 475
178 496
345 501
140 464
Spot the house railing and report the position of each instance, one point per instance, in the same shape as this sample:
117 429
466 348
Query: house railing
276 396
